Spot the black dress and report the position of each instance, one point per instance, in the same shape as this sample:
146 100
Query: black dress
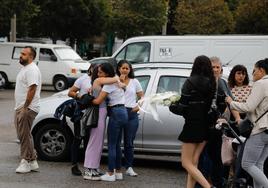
197 96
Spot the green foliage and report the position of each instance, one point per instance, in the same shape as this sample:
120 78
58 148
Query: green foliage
75 19
232 4
203 17
25 10
139 17
252 17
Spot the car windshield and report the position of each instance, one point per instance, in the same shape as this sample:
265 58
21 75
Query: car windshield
67 54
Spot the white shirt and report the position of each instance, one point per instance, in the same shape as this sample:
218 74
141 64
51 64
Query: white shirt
131 91
83 83
115 94
28 75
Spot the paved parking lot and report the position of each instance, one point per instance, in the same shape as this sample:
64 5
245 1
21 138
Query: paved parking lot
152 173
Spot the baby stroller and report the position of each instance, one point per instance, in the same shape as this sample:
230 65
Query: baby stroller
240 179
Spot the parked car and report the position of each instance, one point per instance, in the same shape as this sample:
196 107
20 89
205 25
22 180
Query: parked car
59 65
53 140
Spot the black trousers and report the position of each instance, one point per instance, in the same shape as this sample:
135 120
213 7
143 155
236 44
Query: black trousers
75 149
214 153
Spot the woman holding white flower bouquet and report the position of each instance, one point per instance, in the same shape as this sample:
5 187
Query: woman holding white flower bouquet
196 97
133 90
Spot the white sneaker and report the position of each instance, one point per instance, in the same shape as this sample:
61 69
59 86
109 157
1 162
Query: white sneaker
24 167
130 172
34 165
118 176
107 177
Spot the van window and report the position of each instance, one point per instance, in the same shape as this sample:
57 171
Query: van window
135 52
144 80
170 83
67 54
45 54
16 52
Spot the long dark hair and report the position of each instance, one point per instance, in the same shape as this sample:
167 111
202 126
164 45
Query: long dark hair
202 67
120 64
231 78
262 64
107 68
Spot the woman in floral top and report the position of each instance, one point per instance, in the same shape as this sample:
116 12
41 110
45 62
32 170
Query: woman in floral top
238 82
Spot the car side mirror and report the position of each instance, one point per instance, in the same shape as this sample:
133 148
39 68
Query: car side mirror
53 58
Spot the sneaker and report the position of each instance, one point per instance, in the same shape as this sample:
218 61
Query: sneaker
118 176
34 165
130 172
76 171
107 177
24 167
100 172
91 174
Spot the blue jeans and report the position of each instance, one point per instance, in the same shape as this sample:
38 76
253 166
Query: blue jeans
118 119
130 130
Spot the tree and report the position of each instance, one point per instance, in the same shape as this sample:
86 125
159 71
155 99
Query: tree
74 19
252 17
203 17
25 10
139 17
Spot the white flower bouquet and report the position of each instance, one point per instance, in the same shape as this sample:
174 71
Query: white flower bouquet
163 99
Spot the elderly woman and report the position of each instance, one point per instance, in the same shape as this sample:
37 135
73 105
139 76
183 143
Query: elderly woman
256 147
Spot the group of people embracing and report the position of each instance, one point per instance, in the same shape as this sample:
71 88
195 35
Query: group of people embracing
116 91
205 91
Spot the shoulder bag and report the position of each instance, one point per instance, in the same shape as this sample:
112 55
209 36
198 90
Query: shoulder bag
245 126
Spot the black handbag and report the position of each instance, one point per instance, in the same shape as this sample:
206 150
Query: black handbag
90 117
245 126
177 108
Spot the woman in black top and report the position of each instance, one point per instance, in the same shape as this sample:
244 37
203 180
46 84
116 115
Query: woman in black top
197 94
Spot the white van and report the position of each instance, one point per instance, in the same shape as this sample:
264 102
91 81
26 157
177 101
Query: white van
231 49
60 65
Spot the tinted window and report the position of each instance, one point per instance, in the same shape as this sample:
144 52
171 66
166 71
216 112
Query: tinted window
170 83
136 52
144 80
45 54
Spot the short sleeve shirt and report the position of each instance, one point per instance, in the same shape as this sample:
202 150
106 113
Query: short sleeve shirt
83 84
28 75
115 94
132 89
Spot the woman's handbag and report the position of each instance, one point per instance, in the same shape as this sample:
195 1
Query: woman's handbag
90 117
245 126
227 153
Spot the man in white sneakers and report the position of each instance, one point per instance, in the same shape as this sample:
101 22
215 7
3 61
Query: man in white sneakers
27 95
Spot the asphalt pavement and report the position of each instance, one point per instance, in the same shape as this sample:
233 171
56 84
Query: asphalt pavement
152 173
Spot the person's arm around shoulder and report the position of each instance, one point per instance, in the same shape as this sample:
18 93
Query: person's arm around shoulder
106 80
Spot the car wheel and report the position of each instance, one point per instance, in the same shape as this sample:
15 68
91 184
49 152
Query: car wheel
53 142
60 83
3 80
